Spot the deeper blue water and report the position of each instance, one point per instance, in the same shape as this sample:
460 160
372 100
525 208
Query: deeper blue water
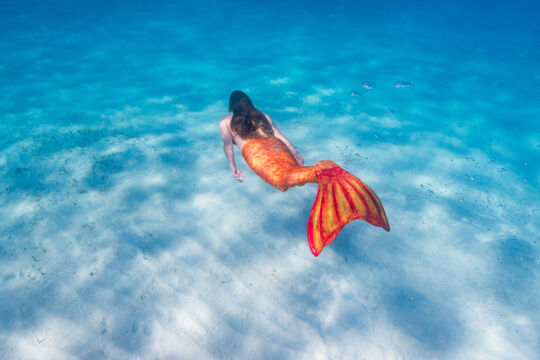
124 235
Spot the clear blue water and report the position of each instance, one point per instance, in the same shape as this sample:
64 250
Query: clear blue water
124 235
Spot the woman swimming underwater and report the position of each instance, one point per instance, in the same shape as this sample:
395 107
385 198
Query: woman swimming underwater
341 196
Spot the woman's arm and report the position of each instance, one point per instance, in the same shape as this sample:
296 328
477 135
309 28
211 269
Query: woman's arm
229 149
286 141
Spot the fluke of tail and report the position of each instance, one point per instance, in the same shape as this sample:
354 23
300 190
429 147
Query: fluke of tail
341 198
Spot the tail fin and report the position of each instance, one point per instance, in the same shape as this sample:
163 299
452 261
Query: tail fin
341 198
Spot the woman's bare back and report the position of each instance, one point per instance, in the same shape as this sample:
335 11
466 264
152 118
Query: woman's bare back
230 137
239 141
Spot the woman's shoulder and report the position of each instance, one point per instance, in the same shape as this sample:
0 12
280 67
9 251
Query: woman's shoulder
226 119
268 118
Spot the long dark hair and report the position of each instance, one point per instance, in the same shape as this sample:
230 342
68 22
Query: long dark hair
247 119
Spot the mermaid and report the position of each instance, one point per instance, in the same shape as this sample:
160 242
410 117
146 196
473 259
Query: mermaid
341 197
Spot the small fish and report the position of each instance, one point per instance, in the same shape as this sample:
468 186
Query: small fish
355 93
368 85
403 84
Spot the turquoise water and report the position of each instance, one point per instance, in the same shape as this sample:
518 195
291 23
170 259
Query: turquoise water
124 234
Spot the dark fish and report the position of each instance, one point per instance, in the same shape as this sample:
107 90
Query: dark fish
368 85
403 84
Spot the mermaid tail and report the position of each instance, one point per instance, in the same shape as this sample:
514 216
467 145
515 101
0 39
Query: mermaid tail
341 197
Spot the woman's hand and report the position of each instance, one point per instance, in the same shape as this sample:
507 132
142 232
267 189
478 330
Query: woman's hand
238 175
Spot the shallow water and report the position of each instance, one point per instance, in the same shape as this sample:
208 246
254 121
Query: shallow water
124 235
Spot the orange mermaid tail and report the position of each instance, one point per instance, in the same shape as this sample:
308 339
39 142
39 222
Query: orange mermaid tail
341 197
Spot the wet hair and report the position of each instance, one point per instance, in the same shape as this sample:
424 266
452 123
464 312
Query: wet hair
247 119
